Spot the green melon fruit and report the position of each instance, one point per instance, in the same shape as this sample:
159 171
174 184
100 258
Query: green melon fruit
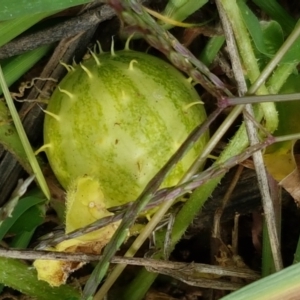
118 118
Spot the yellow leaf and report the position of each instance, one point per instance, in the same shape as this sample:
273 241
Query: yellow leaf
85 204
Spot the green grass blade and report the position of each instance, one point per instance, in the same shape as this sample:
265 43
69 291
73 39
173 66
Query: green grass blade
179 10
12 28
19 65
139 286
11 9
297 253
268 266
211 49
281 285
21 241
27 147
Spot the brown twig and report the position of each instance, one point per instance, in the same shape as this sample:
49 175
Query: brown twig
253 139
147 262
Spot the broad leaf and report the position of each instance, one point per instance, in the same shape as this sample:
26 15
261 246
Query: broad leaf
267 36
15 224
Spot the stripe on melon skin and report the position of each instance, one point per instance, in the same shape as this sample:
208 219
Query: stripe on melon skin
129 124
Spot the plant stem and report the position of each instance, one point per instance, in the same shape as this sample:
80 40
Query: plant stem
279 77
253 139
249 60
266 98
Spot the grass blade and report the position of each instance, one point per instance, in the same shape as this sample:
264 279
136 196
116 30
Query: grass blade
12 28
27 147
281 285
11 9
18 66
179 10
211 49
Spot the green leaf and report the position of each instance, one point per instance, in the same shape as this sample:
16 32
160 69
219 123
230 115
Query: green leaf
272 36
22 240
12 28
267 36
11 9
293 54
289 111
277 13
30 219
23 205
281 285
179 10
253 26
18 66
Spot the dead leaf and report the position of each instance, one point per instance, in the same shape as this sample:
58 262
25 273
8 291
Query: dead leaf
291 184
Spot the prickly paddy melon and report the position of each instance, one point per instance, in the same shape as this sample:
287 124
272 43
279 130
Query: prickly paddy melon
119 117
